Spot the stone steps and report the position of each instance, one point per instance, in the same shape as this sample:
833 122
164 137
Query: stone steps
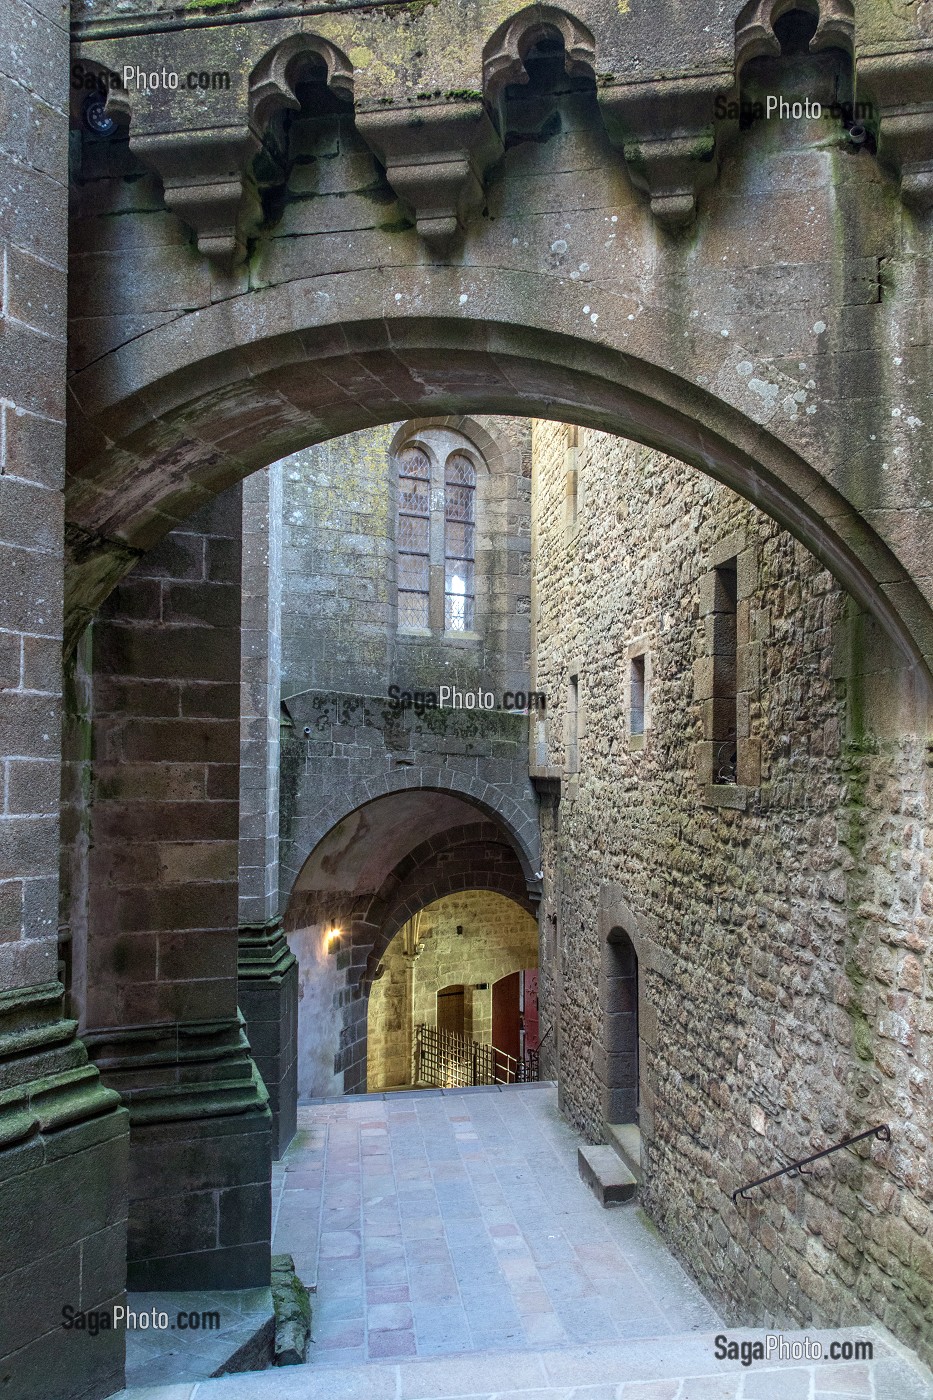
681 1365
606 1174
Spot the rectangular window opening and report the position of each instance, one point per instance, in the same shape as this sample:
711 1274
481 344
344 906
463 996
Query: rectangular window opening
637 696
573 725
725 674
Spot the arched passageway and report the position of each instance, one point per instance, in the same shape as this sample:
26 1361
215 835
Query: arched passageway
444 971
550 287
178 439
372 873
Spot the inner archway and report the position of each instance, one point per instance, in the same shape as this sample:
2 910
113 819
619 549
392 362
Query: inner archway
364 888
440 972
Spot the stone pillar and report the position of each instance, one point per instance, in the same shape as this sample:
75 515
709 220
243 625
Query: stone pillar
62 1134
162 912
268 971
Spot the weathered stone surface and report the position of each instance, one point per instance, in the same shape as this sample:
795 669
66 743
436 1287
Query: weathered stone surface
292 1313
779 940
606 1174
564 296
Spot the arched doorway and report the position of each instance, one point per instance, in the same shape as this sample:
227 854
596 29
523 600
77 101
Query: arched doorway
383 892
445 971
619 1007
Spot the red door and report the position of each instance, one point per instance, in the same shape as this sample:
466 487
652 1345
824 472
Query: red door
506 1022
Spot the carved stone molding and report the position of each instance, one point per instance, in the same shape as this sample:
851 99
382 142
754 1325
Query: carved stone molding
205 175
666 134
173 1073
755 36
272 81
503 58
46 1080
263 953
901 87
436 157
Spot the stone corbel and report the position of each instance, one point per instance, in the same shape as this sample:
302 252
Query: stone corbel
205 175
436 157
666 134
901 85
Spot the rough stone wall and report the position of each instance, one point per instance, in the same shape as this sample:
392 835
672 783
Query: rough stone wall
784 923
428 954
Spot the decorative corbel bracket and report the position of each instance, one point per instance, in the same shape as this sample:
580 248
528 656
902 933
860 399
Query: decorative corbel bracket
436 156
504 55
205 177
755 36
901 87
272 81
666 134
207 174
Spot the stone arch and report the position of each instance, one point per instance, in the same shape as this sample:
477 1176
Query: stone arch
272 81
148 448
504 54
485 443
426 875
519 825
754 28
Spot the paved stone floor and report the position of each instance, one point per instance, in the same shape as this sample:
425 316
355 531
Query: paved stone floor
456 1252
449 1222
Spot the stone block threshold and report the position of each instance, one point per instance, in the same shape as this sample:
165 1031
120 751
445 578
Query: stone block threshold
680 1367
192 1347
218 1332
612 1170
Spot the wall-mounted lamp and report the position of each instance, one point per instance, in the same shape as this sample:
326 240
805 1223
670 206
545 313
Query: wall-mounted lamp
332 939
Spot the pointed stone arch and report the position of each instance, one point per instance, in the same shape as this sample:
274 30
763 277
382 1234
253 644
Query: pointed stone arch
272 81
504 54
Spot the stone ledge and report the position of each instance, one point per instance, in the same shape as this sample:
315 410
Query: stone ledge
607 1176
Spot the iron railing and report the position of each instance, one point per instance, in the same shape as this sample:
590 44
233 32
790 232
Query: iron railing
882 1131
451 1061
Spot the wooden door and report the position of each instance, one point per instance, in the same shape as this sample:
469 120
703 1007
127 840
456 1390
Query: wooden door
450 1009
506 1016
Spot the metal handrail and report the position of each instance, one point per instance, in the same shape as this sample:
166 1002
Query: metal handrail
882 1131
454 1061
